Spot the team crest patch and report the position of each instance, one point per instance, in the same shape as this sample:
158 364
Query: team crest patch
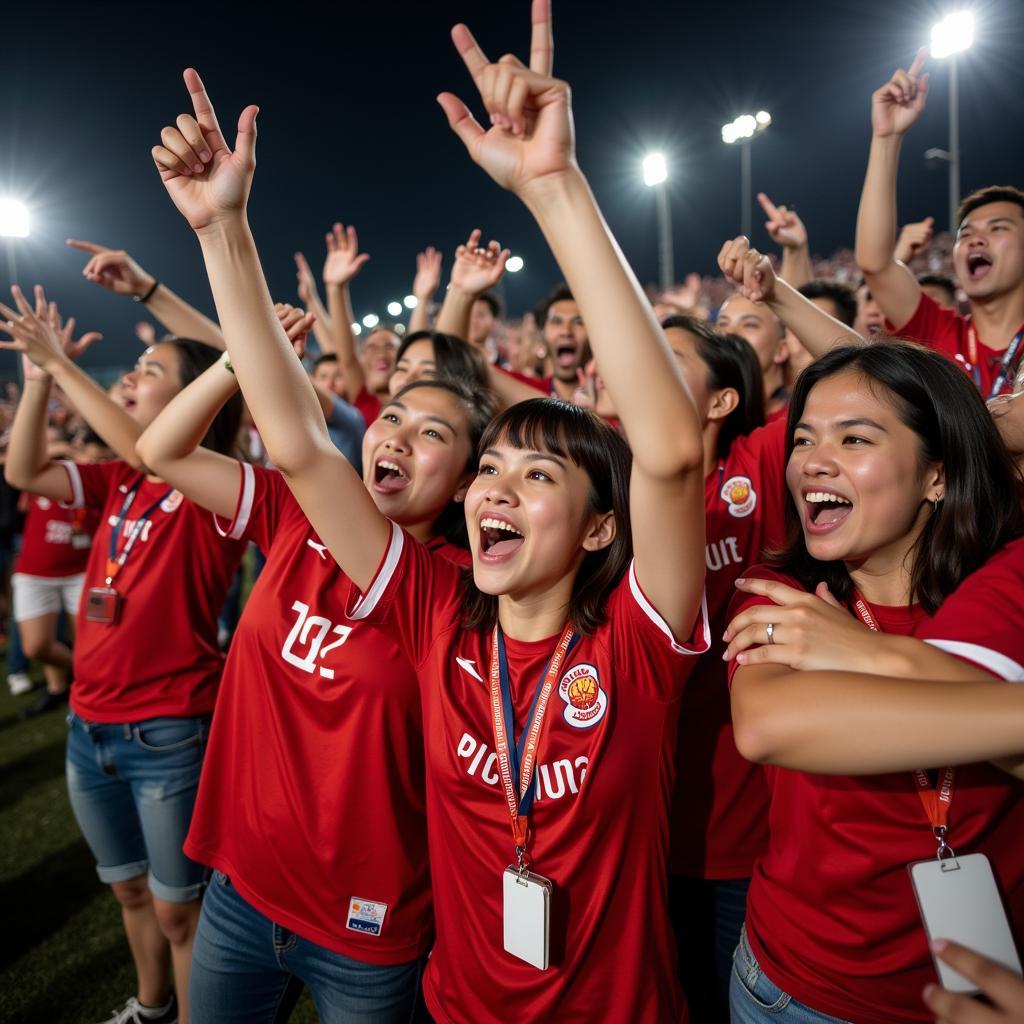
585 700
366 916
171 502
738 492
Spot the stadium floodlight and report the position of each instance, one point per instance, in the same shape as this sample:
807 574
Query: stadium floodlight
954 34
655 169
742 130
411 302
514 264
357 329
763 118
371 320
14 218
394 309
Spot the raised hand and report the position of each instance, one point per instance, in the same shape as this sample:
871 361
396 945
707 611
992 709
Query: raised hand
898 104
749 270
206 181
297 324
145 332
913 238
478 268
344 260
687 295
428 274
531 135
783 225
113 269
39 333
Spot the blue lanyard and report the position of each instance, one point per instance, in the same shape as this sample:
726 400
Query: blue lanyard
115 532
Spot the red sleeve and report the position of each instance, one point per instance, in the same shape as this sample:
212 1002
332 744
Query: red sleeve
542 384
413 598
982 621
263 498
762 454
942 330
91 482
368 404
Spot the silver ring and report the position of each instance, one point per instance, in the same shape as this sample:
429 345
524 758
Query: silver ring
769 631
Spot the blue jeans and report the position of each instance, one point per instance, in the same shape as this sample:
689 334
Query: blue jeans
243 963
753 999
132 787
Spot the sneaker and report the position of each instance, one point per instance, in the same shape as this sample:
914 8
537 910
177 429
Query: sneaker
46 701
19 683
133 1012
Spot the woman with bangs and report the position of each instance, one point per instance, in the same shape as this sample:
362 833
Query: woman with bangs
549 867
868 661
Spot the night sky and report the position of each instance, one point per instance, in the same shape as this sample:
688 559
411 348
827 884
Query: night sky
349 129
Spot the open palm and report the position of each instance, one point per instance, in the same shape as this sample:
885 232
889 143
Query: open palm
206 181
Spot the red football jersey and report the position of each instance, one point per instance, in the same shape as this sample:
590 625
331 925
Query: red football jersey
545 385
311 798
599 823
720 806
368 404
831 914
162 657
56 539
946 331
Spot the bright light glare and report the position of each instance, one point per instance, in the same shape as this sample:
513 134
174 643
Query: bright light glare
13 218
399 328
655 169
411 302
515 264
762 117
746 126
357 329
371 320
394 309
953 34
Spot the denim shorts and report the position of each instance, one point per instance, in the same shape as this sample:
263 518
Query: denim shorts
132 787
755 999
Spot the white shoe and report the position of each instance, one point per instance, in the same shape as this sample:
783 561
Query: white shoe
133 1012
19 683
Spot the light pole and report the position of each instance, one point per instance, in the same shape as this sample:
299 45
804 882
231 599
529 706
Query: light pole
655 169
14 223
742 131
951 36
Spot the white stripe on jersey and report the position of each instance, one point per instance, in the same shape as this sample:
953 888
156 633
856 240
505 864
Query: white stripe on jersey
1004 667
241 520
77 491
652 613
365 605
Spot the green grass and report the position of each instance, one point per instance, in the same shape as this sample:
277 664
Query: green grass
63 955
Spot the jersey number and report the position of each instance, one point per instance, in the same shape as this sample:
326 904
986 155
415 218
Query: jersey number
312 630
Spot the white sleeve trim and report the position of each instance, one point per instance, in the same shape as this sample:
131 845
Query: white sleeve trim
77 490
1004 667
366 604
701 647
241 520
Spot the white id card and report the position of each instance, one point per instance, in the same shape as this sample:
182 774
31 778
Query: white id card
959 900
527 909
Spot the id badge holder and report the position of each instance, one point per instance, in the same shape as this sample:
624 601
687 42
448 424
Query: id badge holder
527 912
959 900
103 604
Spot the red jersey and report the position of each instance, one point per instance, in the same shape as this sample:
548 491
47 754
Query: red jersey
946 331
720 806
162 657
368 404
311 798
56 539
545 385
831 913
599 823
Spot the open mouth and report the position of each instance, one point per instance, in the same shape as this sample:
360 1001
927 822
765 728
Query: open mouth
565 355
978 265
498 538
389 477
128 404
826 510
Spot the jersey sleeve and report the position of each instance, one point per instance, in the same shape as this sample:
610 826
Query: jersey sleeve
91 482
932 326
263 497
413 597
982 621
764 458
537 383
644 649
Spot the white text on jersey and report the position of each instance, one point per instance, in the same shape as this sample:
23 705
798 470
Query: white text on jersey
312 630
550 780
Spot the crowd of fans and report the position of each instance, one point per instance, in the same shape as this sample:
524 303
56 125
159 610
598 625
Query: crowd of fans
644 658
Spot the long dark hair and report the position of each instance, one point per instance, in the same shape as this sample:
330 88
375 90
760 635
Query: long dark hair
551 425
731 363
478 405
454 358
194 358
981 509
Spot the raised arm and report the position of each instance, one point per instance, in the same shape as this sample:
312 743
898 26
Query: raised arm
424 287
343 263
894 108
914 238
752 274
476 269
530 150
280 396
309 295
38 334
787 229
116 271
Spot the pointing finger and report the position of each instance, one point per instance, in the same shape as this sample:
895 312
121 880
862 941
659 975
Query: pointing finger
204 111
542 47
469 50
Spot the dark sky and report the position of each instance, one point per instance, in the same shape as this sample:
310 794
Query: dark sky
349 128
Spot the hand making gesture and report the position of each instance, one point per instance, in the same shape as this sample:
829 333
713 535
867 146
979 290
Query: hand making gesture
39 333
749 270
344 260
478 268
783 225
898 104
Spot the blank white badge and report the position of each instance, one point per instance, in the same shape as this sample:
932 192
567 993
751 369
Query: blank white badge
527 901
